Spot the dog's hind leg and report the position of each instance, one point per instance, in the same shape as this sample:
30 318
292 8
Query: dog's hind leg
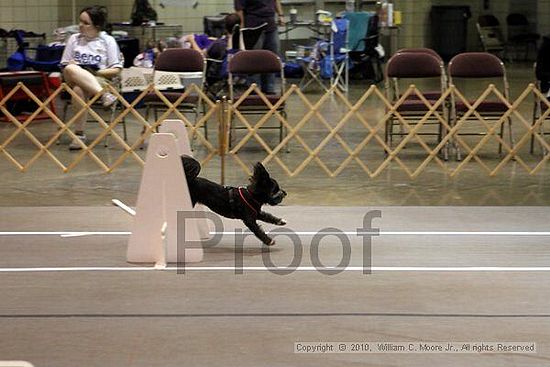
191 167
270 218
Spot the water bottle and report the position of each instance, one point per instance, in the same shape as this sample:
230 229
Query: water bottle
293 15
149 58
389 15
383 15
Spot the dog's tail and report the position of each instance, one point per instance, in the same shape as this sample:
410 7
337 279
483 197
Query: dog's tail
191 167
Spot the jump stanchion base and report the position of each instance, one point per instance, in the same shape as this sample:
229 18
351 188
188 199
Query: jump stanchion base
163 192
177 127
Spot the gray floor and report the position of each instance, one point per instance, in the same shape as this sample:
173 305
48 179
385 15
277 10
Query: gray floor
107 315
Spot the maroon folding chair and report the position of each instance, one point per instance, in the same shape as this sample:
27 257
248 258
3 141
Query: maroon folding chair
480 66
410 67
249 62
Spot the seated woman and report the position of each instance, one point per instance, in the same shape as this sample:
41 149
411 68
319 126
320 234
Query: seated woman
91 58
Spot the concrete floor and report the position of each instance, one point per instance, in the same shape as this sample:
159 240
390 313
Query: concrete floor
114 313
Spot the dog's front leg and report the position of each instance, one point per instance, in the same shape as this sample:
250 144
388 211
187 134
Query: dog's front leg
270 218
259 232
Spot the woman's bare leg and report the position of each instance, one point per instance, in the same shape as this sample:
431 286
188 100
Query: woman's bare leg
74 75
81 121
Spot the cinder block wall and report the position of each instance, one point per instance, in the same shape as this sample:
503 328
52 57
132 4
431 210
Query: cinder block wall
43 16
543 17
32 15
46 15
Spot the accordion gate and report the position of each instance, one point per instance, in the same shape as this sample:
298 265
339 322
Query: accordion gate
227 114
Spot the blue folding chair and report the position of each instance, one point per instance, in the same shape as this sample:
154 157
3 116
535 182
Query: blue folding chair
47 57
328 59
339 54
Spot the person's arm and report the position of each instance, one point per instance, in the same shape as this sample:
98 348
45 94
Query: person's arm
190 38
241 15
109 72
279 11
239 6
68 52
114 63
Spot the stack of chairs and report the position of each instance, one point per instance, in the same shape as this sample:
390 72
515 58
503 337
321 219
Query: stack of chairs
490 35
520 35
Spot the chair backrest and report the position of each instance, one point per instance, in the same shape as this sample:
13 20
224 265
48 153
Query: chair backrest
490 34
476 65
340 34
214 26
488 20
254 62
517 19
421 50
518 25
174 64
180 60
363 30
414 65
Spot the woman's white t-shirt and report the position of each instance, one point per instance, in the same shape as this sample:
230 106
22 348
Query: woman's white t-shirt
101 52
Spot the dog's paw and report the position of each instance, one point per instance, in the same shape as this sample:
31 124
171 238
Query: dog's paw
271 243
281 222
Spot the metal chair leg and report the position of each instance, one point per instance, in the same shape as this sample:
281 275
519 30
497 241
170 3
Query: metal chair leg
112 117
535 110
511 134
501 134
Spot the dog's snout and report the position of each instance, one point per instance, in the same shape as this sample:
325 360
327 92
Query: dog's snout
281 194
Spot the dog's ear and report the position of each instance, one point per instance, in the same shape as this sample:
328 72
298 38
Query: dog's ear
260 173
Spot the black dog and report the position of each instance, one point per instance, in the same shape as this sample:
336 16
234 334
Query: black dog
243 203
